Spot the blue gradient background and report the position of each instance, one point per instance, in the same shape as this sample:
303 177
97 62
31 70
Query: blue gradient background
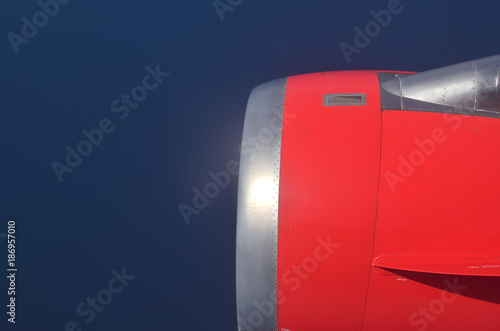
119 207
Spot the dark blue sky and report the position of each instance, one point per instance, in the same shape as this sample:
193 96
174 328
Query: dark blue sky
119 206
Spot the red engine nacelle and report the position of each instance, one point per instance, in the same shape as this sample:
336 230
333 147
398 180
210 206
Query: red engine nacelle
368 200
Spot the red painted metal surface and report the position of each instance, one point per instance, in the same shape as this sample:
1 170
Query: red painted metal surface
387 220
439 204
328 200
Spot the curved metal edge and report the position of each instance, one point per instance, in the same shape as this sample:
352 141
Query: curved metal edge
258 198
469 88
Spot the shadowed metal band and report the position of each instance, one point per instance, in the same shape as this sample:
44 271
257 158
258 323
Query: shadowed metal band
469 88
258 197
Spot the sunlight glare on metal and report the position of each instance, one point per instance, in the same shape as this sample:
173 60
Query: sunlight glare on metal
262 191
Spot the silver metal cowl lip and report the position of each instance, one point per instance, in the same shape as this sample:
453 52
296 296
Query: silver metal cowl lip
258 197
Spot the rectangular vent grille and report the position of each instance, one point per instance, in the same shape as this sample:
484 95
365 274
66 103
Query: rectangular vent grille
353 99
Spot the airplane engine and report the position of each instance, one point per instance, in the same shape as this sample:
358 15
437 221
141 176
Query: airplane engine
370 200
